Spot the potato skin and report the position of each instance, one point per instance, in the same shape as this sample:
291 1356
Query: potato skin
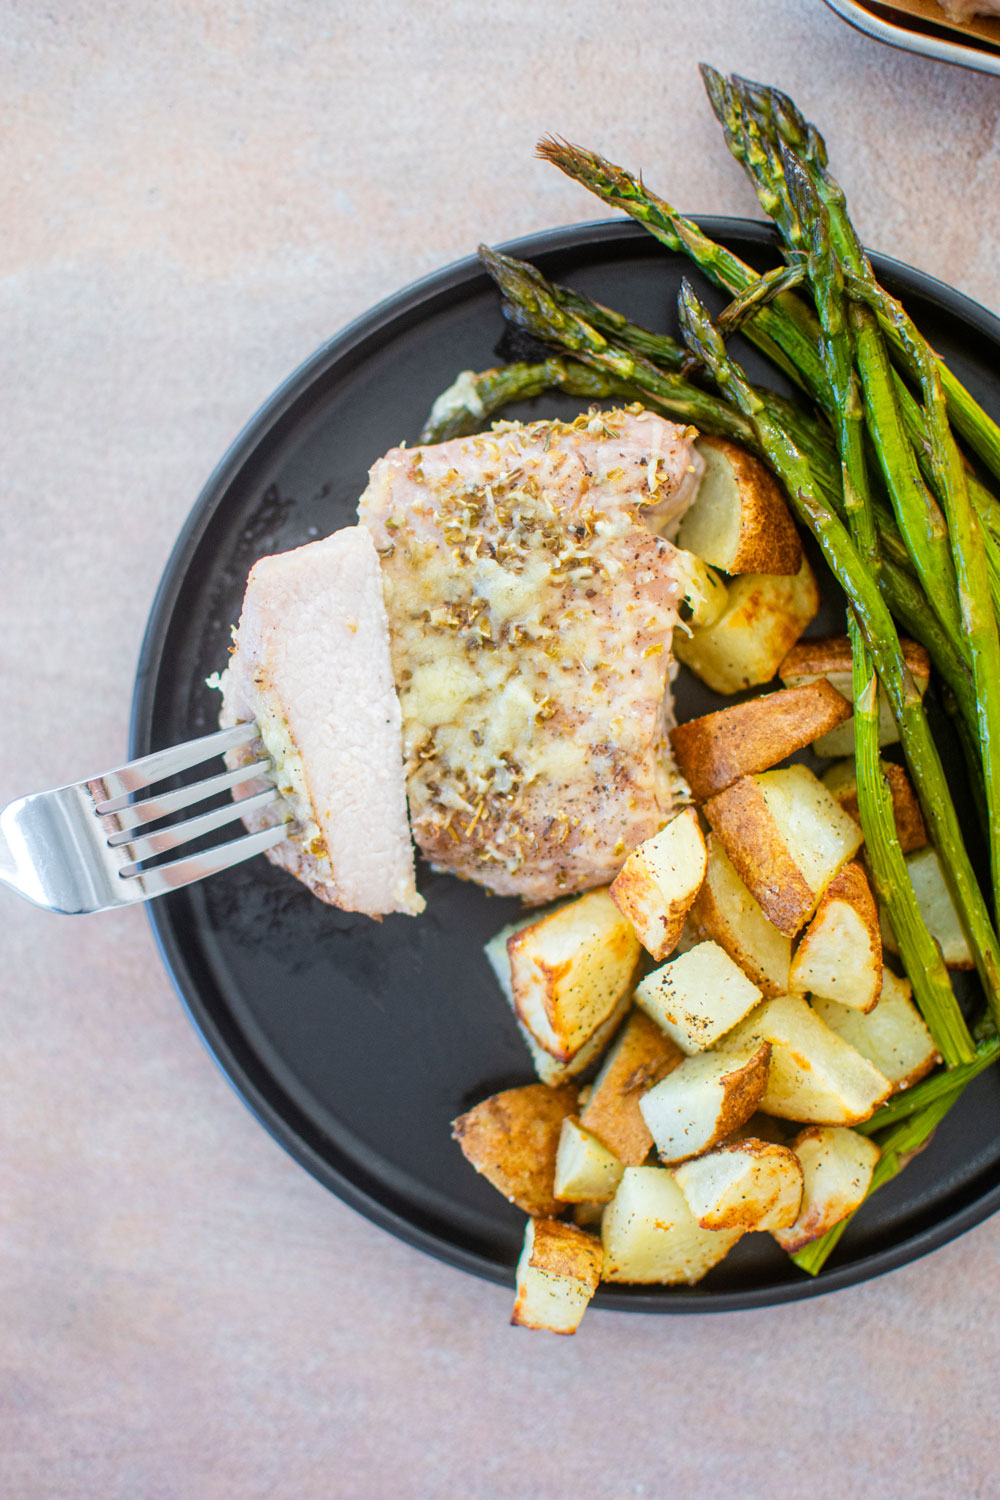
658 882
558 1273
512 1139
910 827
642 1057
832 653
768 541
751 940
743 822
717 749
745 1088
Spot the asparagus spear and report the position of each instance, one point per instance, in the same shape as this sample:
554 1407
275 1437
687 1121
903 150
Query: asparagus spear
944 1084
781 192
968 549
531 305
783 330
787 192
770 285
470 399
878 630
976 426
659 347
920 954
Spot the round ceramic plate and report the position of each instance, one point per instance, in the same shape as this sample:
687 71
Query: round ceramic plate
356 1042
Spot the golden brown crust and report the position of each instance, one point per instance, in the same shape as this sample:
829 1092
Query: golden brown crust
639 891
850 884
642 1057
512 1139
744 1090
635 892
564 1250
747 1213
715 750
713 916
742 820
832 653
910 827
769 541
820 1216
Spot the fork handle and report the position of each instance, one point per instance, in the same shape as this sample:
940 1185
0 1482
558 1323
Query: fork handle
8 864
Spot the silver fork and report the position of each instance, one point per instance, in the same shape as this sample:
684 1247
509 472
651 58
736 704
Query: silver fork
82 848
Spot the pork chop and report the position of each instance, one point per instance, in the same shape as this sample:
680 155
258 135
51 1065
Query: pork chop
311 664
531 609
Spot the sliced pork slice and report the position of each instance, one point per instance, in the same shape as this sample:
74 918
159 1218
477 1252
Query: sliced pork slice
311 664
531 609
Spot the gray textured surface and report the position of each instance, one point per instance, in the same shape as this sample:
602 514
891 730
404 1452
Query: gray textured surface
194 198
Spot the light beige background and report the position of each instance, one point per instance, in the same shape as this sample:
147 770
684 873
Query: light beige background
194 196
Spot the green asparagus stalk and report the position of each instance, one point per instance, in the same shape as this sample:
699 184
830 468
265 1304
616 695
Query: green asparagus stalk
787 192
941 1085
782 197
878 630
784 330
472 398
968 548
980 431
770 285
659 347
532 306
920 954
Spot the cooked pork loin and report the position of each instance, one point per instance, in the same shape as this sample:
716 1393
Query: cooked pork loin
531 609
311 665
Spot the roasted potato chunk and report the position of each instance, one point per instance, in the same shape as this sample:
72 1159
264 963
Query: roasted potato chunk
786 837
705 593
830 657
763 618
586 1171
725 911
839 956
739 521
814 1075
704 1100
548 1068
697 997
659 881
750 1186
894 1037
650 1234
841 781
640 1057
937 908
569 970
512 1139
557 1274
837 1166
716 750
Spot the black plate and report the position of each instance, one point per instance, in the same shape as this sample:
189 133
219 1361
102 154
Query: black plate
356 1043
